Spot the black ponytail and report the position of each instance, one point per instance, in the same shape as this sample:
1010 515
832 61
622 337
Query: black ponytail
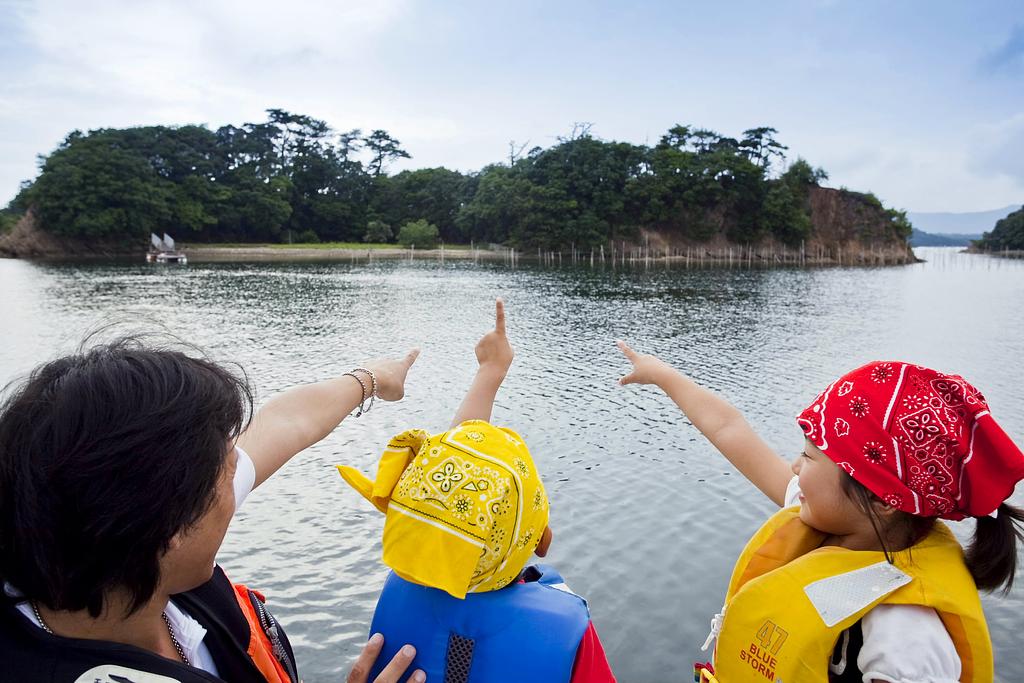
992 554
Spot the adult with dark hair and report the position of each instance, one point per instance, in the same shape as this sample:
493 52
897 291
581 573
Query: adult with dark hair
120 469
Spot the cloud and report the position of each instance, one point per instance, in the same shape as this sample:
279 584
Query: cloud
116 63
188 51
445 80
1009 58
917 175
999 149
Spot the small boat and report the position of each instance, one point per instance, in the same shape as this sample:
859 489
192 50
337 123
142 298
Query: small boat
163 251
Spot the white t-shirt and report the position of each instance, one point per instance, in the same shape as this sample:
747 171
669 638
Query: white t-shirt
902 643
188 631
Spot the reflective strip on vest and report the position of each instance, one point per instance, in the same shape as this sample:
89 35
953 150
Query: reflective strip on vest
840 597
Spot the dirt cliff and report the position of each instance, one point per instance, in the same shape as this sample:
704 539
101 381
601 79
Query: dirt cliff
855 224
27 240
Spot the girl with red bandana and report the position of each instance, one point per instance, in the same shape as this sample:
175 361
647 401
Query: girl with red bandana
856 579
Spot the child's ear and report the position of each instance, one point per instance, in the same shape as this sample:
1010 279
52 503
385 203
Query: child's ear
545 542
882 509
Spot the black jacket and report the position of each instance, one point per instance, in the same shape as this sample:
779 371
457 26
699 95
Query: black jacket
28 653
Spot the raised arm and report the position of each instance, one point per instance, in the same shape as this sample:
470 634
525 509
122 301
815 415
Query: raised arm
301 416
494 355
718 420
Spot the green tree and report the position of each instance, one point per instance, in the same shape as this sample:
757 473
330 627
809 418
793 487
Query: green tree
787 208
8 219
97 186
801 174
759 146
420 234
785 214
498 205
250 147
295 135
900 223
677 138
578 194
307 237
1008 233
435 194
378 231
253 210
383 150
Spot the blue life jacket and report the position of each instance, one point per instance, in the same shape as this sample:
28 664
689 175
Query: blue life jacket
524 632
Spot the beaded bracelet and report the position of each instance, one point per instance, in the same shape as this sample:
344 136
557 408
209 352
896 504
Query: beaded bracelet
373 386
362 395
373 389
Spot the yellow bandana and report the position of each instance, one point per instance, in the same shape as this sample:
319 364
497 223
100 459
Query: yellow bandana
465 509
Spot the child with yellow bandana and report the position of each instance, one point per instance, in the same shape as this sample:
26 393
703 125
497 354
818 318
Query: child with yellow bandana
465 510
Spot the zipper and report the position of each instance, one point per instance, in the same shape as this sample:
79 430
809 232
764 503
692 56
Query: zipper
269 625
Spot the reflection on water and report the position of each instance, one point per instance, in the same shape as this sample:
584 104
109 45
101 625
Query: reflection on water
647 517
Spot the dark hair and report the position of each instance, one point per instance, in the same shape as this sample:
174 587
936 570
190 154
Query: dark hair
903 528
105 455
992 553
991 556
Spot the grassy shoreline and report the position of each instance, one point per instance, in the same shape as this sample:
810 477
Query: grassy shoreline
330 251
354 246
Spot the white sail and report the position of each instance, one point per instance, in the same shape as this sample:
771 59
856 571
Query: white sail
168 242
156 241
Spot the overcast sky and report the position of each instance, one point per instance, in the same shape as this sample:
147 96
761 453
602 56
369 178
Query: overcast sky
919 102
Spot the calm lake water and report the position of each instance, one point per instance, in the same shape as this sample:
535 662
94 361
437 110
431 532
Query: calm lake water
647 517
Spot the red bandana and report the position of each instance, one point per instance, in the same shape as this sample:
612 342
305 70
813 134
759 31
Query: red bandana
922 441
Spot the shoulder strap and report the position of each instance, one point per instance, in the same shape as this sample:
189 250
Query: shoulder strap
229 634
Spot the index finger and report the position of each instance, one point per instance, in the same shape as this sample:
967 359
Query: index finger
499 315
411 357
397 666
624 347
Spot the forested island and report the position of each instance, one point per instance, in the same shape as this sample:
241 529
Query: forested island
292 178
1006 236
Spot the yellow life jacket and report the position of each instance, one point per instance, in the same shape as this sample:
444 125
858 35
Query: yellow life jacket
790 599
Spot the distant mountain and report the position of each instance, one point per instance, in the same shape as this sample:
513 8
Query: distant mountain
928 239
973 223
